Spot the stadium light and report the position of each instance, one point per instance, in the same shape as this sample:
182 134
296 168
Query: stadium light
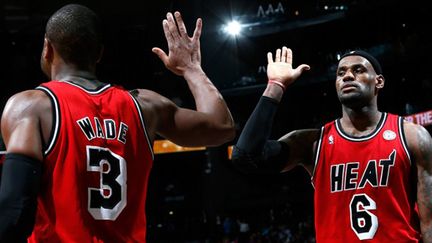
233 28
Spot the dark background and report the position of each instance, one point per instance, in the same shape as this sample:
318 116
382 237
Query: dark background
191 194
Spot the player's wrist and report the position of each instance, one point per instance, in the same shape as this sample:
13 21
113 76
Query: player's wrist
274 91
193 71
277 83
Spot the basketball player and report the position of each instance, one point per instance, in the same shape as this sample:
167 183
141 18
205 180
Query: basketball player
371 170
79 151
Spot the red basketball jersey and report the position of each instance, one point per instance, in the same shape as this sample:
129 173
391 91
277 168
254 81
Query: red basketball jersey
365 186
95 169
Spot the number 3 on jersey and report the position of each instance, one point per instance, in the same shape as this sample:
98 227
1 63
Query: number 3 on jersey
363 222
107 201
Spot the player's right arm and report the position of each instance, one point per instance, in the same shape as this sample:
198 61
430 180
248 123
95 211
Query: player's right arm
211 124
254 150
22 128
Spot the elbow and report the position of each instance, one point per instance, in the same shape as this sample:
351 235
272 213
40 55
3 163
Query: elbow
223 135
229 130
230 133
243 162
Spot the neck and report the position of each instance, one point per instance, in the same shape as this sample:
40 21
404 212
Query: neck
360 121
84 77
66 72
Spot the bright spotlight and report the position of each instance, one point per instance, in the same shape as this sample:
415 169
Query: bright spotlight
233 28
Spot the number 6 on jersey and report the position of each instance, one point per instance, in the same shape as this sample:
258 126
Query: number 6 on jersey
363 222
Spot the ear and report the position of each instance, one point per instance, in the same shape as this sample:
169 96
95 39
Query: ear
47 51
380 80
100 53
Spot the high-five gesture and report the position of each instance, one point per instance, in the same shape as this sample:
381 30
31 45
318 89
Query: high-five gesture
280 69
280 72
210 123
183 51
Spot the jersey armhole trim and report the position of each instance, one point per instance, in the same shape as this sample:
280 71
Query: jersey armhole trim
138 108
56 120
403 139
2 146
317 155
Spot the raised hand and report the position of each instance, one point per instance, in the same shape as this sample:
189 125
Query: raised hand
281 69
183 51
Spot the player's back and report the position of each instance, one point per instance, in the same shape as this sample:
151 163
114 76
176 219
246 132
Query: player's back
95 169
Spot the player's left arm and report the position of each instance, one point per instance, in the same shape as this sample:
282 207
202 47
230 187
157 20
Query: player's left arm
211 122
22 168
420 145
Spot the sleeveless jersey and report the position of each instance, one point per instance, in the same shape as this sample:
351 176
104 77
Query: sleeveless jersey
365 186
95 168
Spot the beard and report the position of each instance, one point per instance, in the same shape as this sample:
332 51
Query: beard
353 100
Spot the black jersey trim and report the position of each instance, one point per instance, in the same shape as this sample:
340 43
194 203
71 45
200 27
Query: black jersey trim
56 120
403 138
2 145
90 91
138 107
317 155
377 129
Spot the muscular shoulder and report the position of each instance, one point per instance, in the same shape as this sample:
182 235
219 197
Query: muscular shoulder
23 122
419 143
156 108
302 145
26 103
302 135
150 99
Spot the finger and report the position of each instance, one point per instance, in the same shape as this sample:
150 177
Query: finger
172 26
180 24
300 69
161 54
289 58
167 33
197 31
284 54
196 55
278 55
269 57
303 67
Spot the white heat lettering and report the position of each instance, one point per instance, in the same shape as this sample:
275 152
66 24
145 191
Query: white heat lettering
346 176
107 129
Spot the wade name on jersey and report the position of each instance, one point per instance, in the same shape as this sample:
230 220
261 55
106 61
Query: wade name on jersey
107 129
345 177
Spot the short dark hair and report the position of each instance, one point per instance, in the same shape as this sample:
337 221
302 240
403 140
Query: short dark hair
76 33
373 61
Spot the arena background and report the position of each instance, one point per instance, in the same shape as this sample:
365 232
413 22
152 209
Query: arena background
195 195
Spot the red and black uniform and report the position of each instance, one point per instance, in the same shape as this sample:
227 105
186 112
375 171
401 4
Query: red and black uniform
95 169
365 186
2 151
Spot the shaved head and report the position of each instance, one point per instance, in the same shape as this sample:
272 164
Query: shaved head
75 32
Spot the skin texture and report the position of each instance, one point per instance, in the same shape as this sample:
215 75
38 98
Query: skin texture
357 86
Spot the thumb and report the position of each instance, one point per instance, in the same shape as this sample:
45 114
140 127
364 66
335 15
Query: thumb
300 69
304 67
161 54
